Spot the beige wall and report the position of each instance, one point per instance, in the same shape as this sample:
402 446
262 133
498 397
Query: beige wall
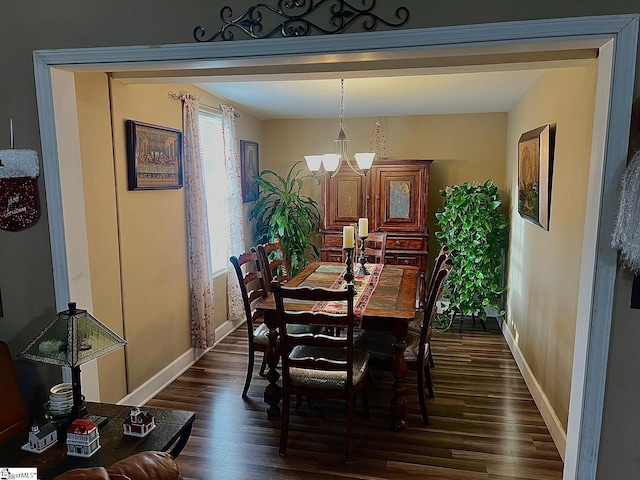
96 151
137 239
544 266
465 147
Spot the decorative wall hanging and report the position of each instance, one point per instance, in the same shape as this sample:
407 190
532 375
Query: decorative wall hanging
535 162
154 156
249 168
626 235
19 201
298 18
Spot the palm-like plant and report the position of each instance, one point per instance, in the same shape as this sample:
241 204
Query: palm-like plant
283 212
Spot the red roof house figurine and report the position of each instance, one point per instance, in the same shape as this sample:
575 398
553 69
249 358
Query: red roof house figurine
83 438
138 423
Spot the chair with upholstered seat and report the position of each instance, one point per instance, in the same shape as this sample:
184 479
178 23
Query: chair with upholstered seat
273 263
319 366
253 290
380 345
423 290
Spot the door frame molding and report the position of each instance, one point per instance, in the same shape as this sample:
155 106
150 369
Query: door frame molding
614 36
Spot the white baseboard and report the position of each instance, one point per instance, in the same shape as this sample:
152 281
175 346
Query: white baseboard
164 377
558 434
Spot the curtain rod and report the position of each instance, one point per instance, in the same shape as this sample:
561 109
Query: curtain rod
179 96
218 109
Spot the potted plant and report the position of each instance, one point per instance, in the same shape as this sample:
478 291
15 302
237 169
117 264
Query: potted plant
283 212
475 231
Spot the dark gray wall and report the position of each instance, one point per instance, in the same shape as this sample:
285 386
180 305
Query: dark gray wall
26 282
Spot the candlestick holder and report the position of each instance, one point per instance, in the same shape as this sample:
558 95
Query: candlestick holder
362 270
348 274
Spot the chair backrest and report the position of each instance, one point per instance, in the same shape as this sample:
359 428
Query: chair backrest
423 287
431 308
252 285
375 245
297 313
273 263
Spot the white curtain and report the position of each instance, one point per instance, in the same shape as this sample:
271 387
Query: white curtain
235 231
200 270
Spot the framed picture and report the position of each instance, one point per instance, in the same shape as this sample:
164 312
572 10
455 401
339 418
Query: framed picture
250 167
154 156
535 160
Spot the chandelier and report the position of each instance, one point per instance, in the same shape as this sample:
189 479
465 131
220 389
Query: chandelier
333 161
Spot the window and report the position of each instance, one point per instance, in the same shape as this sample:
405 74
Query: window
215 180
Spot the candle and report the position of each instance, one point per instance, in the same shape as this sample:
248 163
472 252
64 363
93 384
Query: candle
363 227
348 237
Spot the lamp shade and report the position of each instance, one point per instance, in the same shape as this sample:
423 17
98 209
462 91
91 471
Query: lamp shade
72 338
365 160
330 161
314 162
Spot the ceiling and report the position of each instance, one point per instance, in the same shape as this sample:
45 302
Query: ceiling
379 96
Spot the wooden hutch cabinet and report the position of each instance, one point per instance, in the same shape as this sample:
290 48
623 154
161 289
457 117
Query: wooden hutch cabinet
394 196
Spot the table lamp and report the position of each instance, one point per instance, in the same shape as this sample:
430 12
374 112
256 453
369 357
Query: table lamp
72 338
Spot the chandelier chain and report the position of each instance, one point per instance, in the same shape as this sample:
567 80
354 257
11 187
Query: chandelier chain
342 103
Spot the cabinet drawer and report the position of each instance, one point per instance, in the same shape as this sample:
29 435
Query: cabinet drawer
332 241
408 260
406 243
331 256
413 260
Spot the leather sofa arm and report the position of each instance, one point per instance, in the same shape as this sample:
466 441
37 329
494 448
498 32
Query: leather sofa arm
140 466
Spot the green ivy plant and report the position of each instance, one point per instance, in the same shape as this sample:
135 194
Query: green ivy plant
283 212
475 231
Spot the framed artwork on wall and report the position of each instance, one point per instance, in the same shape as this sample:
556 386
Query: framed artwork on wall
154 156
249 167
535 161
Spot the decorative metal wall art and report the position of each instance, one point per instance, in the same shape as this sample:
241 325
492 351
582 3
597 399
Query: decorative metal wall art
298 18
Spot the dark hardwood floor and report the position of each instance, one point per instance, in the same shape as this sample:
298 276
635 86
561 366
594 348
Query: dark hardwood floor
483 421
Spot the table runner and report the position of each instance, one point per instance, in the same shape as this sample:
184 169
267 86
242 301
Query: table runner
364 285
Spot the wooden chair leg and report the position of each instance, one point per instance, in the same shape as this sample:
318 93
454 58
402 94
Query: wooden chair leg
284 426
263 366
298 402
350 429
247 382
421 400
427 376
431 362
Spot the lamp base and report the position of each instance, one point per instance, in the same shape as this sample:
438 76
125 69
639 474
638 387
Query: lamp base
97 419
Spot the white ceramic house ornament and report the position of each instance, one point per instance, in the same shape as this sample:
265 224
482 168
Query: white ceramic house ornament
83 439
41 438
138 423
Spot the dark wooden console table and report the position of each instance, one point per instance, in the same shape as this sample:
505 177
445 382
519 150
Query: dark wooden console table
172 431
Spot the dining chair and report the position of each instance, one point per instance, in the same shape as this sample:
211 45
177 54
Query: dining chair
252 288
423 289
380 345
316 365
375 246
273 263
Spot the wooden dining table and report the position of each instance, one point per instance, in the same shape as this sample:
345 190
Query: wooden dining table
391 307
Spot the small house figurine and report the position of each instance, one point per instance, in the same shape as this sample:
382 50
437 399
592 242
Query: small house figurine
83 439
138 423
41 437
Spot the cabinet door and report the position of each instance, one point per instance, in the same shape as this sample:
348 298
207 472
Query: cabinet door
400 192
343 199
